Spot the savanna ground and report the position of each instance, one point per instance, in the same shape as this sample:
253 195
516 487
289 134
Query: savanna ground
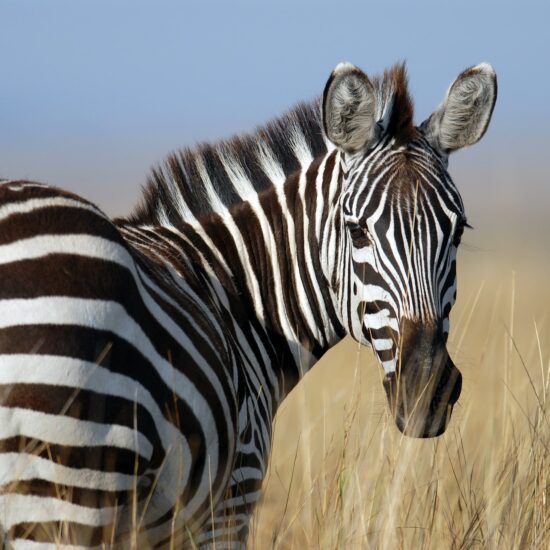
341 474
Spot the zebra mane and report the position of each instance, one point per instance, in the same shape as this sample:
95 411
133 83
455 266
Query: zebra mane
194 182
394 104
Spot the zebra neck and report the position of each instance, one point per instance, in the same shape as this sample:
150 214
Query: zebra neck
279 237
265 260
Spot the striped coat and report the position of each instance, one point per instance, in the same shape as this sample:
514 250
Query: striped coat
123 365
142 359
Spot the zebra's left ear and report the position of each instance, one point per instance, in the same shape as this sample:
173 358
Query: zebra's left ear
465 114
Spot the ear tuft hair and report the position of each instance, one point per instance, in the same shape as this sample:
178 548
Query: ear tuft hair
395 83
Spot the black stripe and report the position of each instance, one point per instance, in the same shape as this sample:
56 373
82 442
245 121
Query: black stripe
57 220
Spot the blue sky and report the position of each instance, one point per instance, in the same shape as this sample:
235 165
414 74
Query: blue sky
93 93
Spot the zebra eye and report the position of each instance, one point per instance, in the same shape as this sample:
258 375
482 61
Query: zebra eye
358 234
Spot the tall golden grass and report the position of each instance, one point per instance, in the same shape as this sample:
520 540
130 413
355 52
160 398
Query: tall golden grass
342 475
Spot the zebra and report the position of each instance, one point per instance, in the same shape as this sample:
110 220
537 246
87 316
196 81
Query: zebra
142 359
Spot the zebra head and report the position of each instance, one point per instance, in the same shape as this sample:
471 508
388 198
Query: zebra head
398 221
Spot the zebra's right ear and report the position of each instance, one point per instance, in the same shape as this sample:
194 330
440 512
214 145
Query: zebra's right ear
349 106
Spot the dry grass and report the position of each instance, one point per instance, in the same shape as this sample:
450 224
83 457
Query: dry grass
342 476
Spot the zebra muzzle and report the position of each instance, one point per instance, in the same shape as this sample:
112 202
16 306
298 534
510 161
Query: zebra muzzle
422 402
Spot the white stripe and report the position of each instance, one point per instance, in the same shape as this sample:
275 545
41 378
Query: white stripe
327 239
380 320
299 145
236 174
389 366
175 196
64 430
303 301
16 467
382 344
270 165
42 245
9 209
16 509
247 498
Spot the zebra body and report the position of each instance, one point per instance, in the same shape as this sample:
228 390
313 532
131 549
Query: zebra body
143 359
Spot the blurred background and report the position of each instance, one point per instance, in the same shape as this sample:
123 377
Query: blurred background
92 94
